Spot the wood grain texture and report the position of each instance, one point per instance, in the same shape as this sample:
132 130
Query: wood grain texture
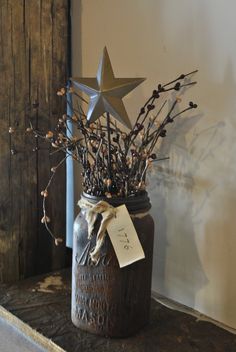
33 65
44 303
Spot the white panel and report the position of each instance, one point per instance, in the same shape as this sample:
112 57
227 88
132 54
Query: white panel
194 193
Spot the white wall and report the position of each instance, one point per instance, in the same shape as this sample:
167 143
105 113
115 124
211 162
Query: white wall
194 193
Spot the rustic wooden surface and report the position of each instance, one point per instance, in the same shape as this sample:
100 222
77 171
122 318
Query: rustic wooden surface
44 303
33 65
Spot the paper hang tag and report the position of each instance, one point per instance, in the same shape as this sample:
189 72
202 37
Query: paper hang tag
124 238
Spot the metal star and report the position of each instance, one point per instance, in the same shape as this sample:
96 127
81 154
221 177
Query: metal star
106 92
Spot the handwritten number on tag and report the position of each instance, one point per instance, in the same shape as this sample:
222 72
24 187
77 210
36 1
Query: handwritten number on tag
124 238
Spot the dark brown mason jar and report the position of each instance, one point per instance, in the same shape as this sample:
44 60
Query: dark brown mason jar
108 300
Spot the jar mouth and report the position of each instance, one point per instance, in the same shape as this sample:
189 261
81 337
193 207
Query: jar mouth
134 204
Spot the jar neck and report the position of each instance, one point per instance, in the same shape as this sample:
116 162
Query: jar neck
134 204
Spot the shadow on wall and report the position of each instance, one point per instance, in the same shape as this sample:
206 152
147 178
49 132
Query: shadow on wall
219 240
178 272
197 208
174 244
180 197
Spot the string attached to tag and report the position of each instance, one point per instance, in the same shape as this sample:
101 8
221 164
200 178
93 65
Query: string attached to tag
92 210
117 222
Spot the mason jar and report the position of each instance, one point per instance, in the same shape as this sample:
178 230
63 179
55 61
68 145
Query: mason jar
108 300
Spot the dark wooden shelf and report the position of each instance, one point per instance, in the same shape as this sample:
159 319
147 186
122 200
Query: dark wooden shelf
43 302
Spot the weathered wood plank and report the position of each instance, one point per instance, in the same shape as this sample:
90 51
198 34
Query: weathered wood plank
33 64
44 303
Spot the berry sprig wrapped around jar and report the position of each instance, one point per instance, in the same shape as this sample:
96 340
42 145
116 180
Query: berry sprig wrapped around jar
106 299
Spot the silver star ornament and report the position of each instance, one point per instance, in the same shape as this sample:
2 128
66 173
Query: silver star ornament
106 92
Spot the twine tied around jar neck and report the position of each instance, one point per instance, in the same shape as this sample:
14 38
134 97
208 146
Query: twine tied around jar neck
92 210
108 212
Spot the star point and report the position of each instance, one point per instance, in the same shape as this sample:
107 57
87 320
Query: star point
106 92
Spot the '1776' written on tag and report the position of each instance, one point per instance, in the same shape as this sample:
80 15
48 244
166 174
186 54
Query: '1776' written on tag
124 238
